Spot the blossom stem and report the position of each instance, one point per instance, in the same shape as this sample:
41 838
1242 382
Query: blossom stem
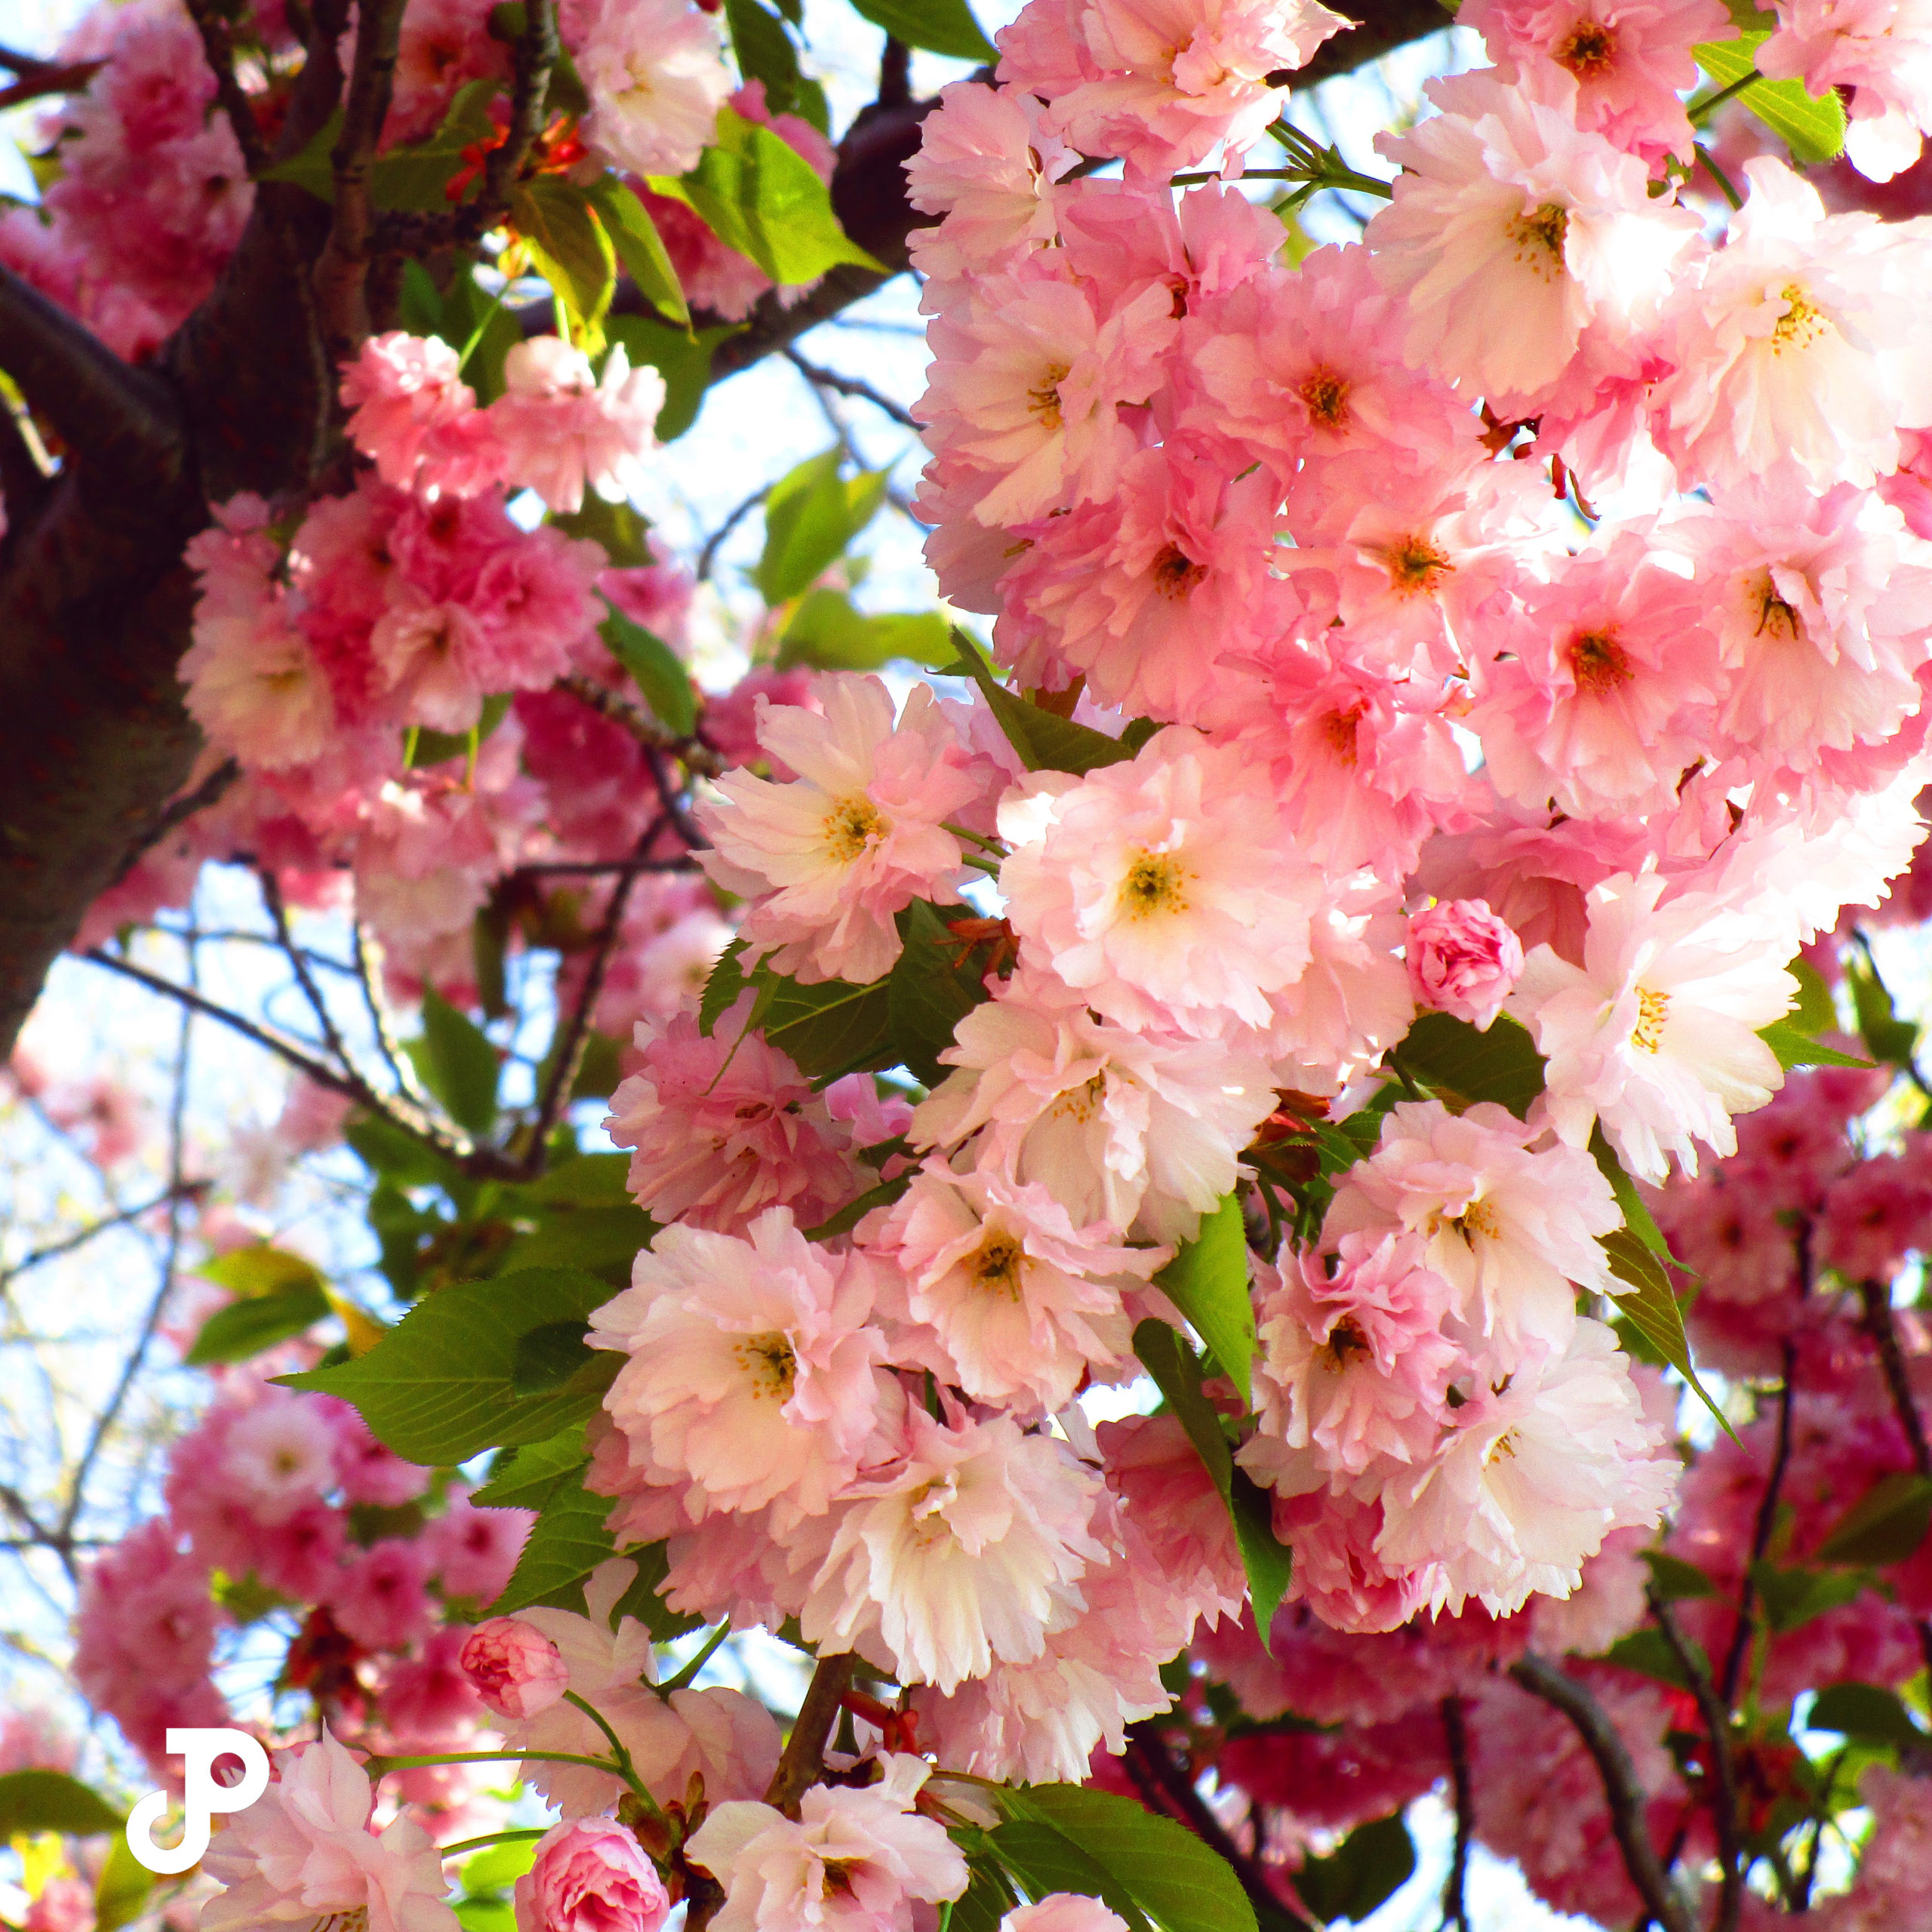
380 1767
515 1837
1346 178
688 1675
624 1767
1701 111
1718 175
1733 1861
973 838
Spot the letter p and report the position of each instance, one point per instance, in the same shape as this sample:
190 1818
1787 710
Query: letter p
197 1749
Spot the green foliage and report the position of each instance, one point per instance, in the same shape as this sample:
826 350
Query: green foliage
1676 1581
427 748
247 1326
1792 1598
811 515
43 1801
549 1357
1888 1038
1176 1373
1794 1048
1651 1307
1451 1057
525 1477
600 1241
439 1387
1886 1525
987 1899
567 1542
1208 1280
638 247
569 248
484 1904
1865 1711
261 1269
1636 1217
121 1893
829 1029
1154 1871
940 26
765 52
457 1063
1371 1864
1648 1652
654 668
827 631
759 196
683 360
1811 126
927 993
1044 741
412 178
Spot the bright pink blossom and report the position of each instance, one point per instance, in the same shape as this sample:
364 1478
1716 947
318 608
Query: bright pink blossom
1463 960
516 1669
590 1875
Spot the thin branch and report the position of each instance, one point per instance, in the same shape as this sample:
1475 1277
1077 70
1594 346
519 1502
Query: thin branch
342 274
575 1035
48 77
1879 1325
369 974
708 554
24 482
218 45
1760 1535
104 408
1622 1791
641 726
1149 1761
277 911
1456 1734
54 1249
602 868
805 1750
1722 1795
851 386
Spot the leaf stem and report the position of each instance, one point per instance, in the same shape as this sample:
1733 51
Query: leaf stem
521 1832
688 1675
1701 111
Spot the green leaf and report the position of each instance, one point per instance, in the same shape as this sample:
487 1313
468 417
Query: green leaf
829 1029
639 248
1792 1598
417 177
854 1211
1044 741
458 1064
246 1327
1886 1525
1045 1861
764 52
1676 1581
1647 1651
1161 1867
42 1801
437 1388
1636 1217
828 633
1373 1863
524 1478
122 1893
1816 1012
1651 1306
1887 1036
568 248
684 362
585 1180
1864 1710
642 1602
1176 1373
1796 1049
1208 1280
547 1357
567 1542
600 1241
759 196
438 747
986 1900
655 670
940 26
927 995
482 324
485 1914
1811 126
810 516
261 1269
1451 1056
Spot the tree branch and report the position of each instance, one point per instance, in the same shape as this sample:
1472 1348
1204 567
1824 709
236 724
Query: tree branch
805 1750
1883 1332
1723 1794
1624 1794
1760 1535
24 482
575 1036
54 1249
1455 1735
851 386
342 274
219 46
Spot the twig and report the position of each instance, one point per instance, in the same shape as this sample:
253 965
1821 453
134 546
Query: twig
341 275
576 1036
219 46
1879 1325
1722 1796
851 386
369 973
1148 1759
1760 1535
1624 1794
640 725
277 911
805 1750
25 484
46 78
602 868
1456 1734
54 1249
708 554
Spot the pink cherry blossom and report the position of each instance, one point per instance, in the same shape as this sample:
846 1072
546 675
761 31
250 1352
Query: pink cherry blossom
1063 1912
565 429
656 75
1880 55
590 1875
516 1669
1463 960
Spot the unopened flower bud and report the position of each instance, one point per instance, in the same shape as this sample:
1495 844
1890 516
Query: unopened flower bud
515 1669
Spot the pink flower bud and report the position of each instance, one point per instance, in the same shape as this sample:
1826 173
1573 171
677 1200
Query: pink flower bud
591 1875
516 1670
1463 960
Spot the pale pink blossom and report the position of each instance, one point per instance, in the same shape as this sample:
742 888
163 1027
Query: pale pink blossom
1462 960
304 1852
591 1875
1879 53
1167 890
1063 1912
827 859
963 1556
1140 1130
515 1669
280 1454
1655 1035
1508 1217
565 429
1023 1304
855 1860
751 1368
655 73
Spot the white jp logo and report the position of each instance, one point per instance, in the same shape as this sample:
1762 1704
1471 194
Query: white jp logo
198 1750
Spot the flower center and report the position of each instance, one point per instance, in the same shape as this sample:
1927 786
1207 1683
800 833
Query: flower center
1802 323
1079 1104
1651 1008
1414 564
1339 729
768 1360
1774 614
355 1920
1478 1218
1154 883
1045 401
1176 573
851 825
997 1263
1586 50
1346 1341
1325 396
1503 1450
837 1877
1597 662
1539 237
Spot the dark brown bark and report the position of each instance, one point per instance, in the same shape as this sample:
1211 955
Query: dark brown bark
95 602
